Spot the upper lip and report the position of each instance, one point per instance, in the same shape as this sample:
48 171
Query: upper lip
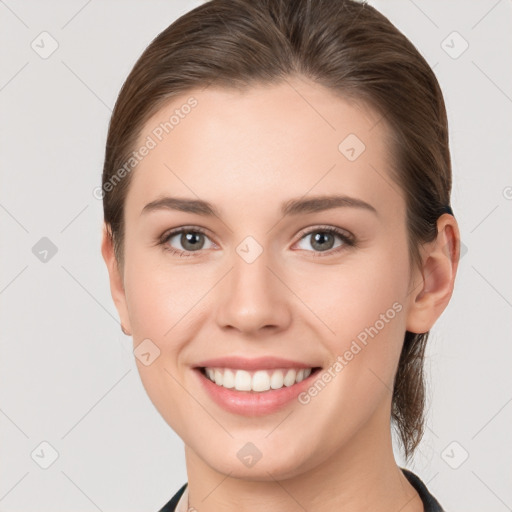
258 363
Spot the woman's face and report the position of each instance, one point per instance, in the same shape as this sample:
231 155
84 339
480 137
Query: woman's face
265 278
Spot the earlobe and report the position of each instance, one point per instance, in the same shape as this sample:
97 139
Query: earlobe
117 289
429 298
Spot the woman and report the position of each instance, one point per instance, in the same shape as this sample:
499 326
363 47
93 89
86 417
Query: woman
248 135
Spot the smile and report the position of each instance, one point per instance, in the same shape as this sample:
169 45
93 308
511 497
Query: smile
257 396
258 381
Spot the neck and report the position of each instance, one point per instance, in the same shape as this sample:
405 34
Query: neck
359 475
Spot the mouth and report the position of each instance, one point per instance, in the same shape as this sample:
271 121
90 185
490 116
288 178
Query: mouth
257 381
255 393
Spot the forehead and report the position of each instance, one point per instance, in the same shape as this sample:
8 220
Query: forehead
263 141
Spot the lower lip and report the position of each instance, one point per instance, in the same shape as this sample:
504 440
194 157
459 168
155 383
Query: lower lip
254 403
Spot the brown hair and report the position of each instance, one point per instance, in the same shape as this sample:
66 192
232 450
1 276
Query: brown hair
347 46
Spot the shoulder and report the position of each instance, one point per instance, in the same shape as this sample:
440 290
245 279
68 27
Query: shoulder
429 501
170 506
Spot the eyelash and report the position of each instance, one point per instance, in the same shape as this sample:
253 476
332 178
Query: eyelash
348 241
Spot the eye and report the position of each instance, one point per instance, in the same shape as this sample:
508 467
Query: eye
191 239
323 239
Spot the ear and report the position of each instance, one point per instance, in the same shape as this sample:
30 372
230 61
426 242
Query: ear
116 279
433 283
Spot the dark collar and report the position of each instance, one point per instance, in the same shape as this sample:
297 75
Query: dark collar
430 504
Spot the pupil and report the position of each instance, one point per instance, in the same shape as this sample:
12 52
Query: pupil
191 240
320 238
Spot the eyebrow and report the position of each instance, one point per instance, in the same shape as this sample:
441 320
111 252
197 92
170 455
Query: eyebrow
290 207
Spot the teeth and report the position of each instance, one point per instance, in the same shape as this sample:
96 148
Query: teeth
261 380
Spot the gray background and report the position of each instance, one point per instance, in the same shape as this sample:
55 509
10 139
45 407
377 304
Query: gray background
68 373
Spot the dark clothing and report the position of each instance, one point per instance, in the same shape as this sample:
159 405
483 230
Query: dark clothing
430 504
170 506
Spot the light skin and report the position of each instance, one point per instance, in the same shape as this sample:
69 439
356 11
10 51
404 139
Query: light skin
246 153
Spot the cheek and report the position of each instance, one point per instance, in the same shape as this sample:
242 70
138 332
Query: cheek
166 389
160 297
366 316
161 308
361 306
354 295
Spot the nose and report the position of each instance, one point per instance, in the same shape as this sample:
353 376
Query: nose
253 296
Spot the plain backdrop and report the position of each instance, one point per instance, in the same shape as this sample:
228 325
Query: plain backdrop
70 394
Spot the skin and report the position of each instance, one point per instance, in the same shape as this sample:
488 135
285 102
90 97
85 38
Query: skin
247 152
